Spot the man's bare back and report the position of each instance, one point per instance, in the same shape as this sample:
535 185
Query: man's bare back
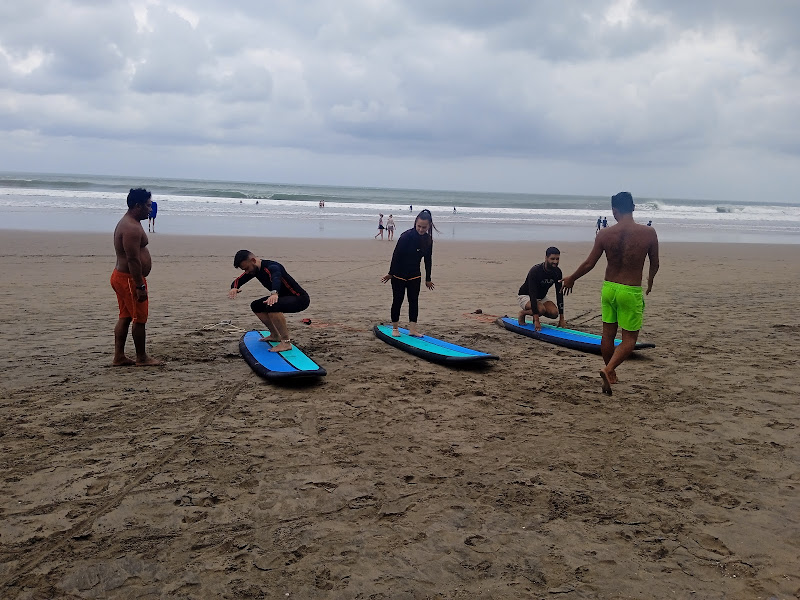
626 246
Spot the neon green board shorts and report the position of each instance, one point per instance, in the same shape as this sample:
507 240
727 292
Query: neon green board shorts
623 304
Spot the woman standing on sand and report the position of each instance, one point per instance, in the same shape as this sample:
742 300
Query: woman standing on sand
390 228
380 227
412 246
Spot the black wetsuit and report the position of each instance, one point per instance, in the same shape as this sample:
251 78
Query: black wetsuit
538 282
411 248
291 297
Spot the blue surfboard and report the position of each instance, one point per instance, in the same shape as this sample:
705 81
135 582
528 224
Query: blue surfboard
276 365
430 348
568 338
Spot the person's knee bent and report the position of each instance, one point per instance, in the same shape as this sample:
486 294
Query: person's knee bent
258 306
548 309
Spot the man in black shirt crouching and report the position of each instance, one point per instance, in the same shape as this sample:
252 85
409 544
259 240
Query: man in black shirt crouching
286 295
533 298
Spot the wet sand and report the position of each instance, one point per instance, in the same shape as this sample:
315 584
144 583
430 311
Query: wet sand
393 477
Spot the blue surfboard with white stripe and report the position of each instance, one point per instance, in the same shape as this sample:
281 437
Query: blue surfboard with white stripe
430 348
276 365
568 338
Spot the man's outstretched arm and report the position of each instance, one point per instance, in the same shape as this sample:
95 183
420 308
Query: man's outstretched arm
585 266
652 254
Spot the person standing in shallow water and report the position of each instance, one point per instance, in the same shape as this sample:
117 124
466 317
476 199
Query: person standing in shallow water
151 222
412 247
626 246
128 280
390 228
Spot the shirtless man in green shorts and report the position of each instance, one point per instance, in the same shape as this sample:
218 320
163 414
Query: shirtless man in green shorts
626 245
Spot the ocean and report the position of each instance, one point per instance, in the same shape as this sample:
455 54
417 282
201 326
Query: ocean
55 202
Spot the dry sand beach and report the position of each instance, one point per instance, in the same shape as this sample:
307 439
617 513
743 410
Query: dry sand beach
393 477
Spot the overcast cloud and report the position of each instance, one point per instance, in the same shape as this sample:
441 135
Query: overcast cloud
662 97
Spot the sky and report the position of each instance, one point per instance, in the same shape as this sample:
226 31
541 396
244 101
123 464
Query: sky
664 98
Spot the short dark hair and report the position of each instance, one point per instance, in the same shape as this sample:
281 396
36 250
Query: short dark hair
138 196
552 250
241 256
623 202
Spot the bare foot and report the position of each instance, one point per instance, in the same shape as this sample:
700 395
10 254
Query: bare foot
606 383
282 347
396 332
412 330
612 377
123 362
271 338
150 362
521 318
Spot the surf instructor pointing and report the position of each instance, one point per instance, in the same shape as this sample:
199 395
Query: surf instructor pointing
626 245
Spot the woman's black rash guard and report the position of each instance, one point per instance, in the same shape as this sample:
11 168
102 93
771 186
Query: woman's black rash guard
538 282
407 255
274 277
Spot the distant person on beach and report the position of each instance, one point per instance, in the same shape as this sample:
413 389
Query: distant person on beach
605 222
286 295
454 209
599 224
128 280
412 246
390 228
533 299
411 208
650 223
151 222
626 245
380 227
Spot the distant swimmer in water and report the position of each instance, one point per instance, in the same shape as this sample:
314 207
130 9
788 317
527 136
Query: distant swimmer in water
650 223
626 245
413 246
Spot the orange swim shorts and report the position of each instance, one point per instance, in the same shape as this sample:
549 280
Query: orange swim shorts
129 307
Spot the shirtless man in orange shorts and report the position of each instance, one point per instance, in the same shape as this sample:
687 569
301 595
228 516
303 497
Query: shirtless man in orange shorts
128 280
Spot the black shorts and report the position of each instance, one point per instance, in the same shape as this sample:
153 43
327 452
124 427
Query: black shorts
285 304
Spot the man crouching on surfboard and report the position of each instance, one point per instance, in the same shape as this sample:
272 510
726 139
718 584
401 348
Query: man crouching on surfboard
626 245
286 295
533 298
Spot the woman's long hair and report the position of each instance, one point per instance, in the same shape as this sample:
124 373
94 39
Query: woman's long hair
425 215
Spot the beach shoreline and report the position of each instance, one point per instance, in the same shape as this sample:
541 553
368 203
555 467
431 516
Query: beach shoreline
74 222
392 476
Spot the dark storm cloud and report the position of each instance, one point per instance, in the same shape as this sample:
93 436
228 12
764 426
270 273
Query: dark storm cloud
643 82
